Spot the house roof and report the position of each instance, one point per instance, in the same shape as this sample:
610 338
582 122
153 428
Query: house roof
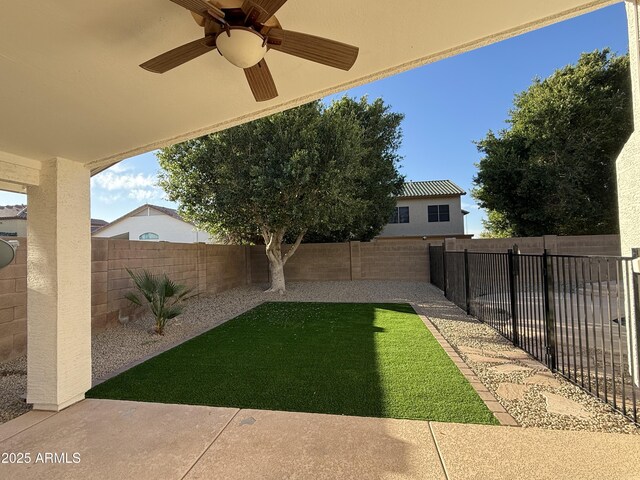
166 210
20 212
431 188
13 211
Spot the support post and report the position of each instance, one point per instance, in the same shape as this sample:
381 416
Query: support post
59 286
549 310
512 298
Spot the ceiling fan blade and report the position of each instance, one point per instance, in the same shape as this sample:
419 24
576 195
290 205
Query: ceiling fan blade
259 11
317 49
196 6
261 82
177 56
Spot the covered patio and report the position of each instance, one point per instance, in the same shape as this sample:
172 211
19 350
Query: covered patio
75 102
120 439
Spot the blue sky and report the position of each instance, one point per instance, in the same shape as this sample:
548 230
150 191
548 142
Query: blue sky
447 105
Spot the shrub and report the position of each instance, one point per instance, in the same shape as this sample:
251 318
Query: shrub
163 296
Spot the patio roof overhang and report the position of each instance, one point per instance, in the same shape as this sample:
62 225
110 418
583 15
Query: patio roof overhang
72 88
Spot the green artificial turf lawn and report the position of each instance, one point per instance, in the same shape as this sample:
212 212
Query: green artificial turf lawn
376 360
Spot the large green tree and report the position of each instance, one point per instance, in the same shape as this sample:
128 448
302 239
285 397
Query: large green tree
376 183
553 170
276 177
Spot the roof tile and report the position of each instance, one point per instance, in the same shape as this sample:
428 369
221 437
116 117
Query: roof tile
431 188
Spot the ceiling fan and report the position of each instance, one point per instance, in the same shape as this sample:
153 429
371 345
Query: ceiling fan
243 31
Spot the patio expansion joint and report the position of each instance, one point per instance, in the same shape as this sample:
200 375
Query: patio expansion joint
440 457
210 444
489 399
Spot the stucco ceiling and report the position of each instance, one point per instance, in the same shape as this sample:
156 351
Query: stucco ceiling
70 85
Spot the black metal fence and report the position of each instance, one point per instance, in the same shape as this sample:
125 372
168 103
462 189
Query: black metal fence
576 314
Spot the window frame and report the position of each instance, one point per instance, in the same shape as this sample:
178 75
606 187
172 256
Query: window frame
156 237
442 213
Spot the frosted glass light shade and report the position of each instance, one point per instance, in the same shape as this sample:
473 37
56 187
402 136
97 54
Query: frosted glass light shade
241 46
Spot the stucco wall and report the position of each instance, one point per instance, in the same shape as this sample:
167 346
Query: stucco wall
168 229
418 221
628 162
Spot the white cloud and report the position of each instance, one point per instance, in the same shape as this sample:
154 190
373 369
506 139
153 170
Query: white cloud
141 194
109 199
112 181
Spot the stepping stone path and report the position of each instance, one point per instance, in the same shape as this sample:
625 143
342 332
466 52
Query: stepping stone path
484 359
532 364
510 368
468 350
563 406
512 391
543 378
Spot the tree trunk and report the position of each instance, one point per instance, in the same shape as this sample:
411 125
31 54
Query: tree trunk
273 241
276 269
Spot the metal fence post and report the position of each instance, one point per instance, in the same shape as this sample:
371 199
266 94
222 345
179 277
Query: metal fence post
444 269
512 298
549 310
467 283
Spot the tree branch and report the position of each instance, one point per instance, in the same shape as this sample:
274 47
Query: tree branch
294 247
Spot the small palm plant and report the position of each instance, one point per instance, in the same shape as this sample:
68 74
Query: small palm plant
163 296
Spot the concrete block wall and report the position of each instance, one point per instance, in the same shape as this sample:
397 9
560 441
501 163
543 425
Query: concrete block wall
206 268
606 245
13 304
177 260
408 261
378 260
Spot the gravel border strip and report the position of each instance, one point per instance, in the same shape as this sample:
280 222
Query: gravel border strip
169 346
483 392
473 339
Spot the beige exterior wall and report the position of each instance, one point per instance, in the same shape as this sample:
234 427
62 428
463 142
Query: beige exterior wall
169 229
628 163
13 225
419 225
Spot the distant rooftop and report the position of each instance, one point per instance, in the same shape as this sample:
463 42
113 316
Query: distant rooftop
13 211
20 212
431 188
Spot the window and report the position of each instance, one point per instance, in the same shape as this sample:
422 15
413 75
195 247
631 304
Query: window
400 215
149 236
438 213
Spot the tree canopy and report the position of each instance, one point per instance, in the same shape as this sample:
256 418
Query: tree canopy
376 183
294 172
553 170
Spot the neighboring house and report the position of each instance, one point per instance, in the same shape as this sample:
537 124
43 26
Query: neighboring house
153 223
13 221
427 209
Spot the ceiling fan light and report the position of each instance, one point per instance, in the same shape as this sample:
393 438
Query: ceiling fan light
241 46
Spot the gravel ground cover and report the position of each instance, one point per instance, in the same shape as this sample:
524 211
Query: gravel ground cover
119 346
533 395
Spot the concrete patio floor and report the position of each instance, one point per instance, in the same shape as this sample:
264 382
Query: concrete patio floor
121 439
